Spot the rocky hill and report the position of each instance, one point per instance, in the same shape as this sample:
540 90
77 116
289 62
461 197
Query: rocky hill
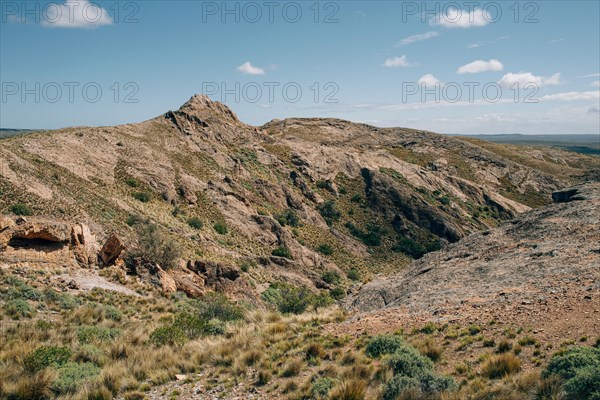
293 200
193 256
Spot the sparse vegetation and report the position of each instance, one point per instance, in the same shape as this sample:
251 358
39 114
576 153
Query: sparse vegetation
221 228
21 209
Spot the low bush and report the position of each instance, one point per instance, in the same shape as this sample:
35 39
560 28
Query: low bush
329 212
288 217
141 196
195 222
409 247
20 209
321 387
331 277
567 364
282 251
18 308
384 344
372 236
168 335
221 228
289 299
353 274
46 356
72 377
154 246
325 249
218 306
92 334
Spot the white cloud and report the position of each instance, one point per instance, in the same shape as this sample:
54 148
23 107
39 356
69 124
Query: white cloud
573 96
523 78
480 66
417 38
429 80
596 84
396 62
556 41
552 80
76 14
455 18
248 69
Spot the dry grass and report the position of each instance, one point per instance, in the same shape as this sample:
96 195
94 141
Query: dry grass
501 365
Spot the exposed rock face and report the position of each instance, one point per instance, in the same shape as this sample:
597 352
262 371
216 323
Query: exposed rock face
55 241
521 260
111 250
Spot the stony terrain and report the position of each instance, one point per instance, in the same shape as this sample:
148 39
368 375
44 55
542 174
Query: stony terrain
195 256
335 195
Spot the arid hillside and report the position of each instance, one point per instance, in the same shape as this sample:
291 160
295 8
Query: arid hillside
294 200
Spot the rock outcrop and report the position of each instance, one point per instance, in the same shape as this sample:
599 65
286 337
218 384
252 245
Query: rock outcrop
526 258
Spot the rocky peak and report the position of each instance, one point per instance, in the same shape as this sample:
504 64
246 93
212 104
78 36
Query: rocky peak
201 106
201 114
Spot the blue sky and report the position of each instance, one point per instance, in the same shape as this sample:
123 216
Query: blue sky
379 62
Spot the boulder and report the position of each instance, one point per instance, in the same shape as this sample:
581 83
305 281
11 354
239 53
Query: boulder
167 282
112 250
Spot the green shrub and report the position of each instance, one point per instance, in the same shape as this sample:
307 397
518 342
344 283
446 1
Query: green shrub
20 209
20 290
353 274
337 293
192 326
154 246
329 212
288 217
90 334
63 300
18 308
168 335
132 182
585 385
46 356
409 247
429 328
195 223
414 372
282 251
330 277
133 220
325 249
221 228
141 196
568 363
321 387
372 237
400 384
218 306
384 344
289 299
112 313
323 299
215 327
357 198
72 377
409 362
